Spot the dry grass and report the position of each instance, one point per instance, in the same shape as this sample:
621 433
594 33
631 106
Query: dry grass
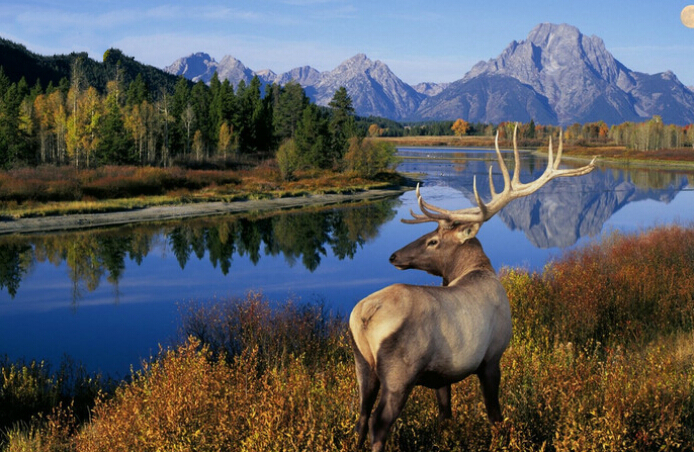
48 191
439 141
601 359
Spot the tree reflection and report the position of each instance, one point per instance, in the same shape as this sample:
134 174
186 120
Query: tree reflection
91 256
15 262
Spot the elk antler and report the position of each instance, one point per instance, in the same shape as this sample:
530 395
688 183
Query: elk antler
513 188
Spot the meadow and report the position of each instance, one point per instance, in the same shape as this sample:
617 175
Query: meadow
62 190
602 358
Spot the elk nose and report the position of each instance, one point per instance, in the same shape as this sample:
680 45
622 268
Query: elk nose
392 258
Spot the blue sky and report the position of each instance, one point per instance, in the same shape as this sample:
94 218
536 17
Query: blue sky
436 41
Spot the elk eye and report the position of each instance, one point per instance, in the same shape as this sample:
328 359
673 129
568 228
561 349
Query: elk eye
468 231
433 242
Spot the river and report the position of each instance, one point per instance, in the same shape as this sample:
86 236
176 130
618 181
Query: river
109 298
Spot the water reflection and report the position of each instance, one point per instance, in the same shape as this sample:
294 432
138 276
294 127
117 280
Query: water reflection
564 210
108 298
89 256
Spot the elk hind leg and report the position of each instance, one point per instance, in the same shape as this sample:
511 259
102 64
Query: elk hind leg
369 385
389 408
489 374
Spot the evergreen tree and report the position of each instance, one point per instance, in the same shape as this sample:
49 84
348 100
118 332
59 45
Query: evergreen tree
115 145
137 92
265 138
36 90
179 102
342 124
250 115
64 86
312 138
200 102
221 115
289 106
14 144
215 113
228 101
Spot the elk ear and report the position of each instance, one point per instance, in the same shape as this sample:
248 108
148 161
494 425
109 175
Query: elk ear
466 231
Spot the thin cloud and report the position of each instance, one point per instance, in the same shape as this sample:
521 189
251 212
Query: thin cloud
255 52
308 2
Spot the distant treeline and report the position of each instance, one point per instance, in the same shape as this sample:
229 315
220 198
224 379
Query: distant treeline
103 114
649 135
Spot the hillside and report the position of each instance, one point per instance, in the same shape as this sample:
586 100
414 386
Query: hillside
18 62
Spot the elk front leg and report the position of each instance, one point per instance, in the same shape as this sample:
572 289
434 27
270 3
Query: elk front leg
443 397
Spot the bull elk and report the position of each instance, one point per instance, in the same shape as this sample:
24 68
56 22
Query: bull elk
406 335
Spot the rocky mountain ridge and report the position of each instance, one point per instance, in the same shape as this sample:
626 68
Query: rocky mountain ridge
374 88
556 75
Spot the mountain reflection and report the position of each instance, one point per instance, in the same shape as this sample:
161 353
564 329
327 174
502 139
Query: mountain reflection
89 256
566 209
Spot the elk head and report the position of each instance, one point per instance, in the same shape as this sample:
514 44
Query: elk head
439 252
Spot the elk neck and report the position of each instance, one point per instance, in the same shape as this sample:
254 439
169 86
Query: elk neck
470 257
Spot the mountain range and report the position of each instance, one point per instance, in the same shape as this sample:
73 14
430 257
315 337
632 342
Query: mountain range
556 75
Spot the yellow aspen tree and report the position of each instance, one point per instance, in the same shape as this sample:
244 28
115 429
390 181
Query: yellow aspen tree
59 118
198 144
73 132
43 123
460 127
135 123
26 117
91 114
225 134
153 127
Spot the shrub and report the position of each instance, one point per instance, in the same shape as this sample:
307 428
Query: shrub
48 183
366 158
231 326
628 288
288 159
48 402
40 184
186 400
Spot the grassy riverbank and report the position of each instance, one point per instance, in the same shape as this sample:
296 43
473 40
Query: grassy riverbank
45 191
50 190
601 359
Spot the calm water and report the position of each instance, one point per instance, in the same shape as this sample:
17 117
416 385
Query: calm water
108 298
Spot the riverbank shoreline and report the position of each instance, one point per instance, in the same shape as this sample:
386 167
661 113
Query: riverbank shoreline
608 156
47 224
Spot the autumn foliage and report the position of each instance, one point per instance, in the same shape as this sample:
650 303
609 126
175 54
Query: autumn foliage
48 183
460 127
601 359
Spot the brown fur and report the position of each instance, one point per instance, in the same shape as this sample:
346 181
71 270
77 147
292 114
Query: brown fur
406 335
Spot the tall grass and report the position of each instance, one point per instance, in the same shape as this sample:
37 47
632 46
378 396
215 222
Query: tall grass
50 190
278 334
48 183
622 290
601 359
